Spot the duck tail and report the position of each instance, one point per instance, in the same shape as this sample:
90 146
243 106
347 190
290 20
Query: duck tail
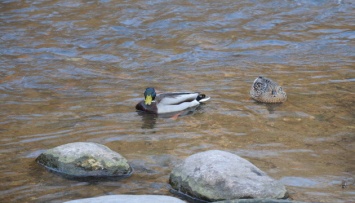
202 98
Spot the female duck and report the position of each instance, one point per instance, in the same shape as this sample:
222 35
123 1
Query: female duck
267 91
169 102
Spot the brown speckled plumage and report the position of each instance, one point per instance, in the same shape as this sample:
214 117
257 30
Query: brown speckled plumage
267 91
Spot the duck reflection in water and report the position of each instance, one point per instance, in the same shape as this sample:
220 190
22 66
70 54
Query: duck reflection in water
272 107
149 119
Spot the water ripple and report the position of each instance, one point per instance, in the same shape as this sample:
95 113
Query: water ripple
74 70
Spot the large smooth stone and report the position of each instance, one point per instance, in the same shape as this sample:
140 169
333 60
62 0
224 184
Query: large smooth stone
129 199
259 201
217 175
85 159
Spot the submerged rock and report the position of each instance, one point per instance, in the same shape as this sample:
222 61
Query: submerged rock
217 175
129 199
85 159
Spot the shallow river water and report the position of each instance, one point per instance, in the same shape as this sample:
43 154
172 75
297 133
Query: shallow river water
73 70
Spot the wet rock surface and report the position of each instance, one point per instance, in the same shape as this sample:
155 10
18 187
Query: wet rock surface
258 201
129 199
85 159
218 175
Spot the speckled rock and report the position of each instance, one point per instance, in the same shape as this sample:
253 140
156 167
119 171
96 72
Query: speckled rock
217 175
85 159
129 199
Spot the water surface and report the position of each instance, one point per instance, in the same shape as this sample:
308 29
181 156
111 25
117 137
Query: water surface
73 71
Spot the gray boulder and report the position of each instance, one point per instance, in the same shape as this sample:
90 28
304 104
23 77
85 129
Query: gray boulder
129 199
259 201
217 175
85 159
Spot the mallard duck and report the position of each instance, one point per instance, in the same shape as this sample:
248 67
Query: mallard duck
169 102
267 91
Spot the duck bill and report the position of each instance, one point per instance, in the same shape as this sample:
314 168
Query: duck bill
148 100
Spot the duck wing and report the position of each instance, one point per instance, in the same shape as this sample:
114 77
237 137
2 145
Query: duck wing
176 98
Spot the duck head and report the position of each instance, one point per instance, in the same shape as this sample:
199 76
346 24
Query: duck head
149 95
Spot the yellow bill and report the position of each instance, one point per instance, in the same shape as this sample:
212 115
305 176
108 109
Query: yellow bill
148 100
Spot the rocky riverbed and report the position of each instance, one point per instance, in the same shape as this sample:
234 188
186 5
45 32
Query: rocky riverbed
208 176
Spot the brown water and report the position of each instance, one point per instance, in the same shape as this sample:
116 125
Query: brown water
73 70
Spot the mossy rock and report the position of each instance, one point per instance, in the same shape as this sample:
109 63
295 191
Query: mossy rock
85 159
